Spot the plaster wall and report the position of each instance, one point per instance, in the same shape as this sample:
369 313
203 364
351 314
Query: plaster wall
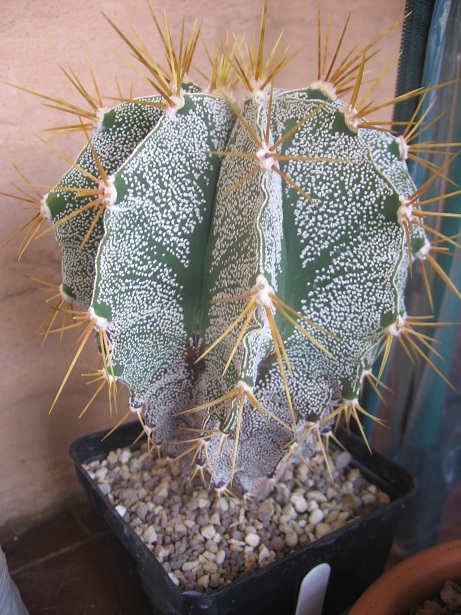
35 37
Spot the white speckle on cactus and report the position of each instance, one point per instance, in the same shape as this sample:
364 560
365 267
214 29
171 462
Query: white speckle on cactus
100 113
422 253
265 157
45 211
404 148
64 295
178 103
242 387
350 117
405 211
263 291
396 328
99 321
327 88
110 193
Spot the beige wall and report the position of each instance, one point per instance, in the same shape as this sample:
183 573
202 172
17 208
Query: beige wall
35 470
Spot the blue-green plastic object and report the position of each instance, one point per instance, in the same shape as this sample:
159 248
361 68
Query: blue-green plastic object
425 417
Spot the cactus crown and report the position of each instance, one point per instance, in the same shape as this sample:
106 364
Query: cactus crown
239 253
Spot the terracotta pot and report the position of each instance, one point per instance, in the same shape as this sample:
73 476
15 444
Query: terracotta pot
412 581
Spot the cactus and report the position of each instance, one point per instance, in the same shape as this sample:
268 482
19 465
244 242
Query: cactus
242 261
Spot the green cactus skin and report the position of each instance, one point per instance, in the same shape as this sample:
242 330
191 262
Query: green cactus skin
244 263
173 259
334 259
149 267
120 130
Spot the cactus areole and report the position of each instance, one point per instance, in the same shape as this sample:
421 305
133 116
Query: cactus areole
241 254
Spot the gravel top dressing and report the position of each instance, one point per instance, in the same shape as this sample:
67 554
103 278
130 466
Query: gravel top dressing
205 542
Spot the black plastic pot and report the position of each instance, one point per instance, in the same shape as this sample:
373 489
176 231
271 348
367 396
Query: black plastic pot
356 553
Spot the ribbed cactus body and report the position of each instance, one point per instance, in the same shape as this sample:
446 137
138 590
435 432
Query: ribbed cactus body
245 260
266 237
149 272
338 258
119 132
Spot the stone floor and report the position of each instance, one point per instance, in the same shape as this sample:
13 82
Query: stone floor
61 568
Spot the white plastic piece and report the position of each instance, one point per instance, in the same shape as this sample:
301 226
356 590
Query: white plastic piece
10 600
312 591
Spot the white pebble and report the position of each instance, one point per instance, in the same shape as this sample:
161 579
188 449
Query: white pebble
125 456
220 557
289 512
264 554
105 488
208 531
299 502
100 474
343 460
174 579
150 535
161 491
215 519
120 509
223 505
312 505
353 474
204 581
316 516
368 498
187 566
252 540
112 458
316 495
383 498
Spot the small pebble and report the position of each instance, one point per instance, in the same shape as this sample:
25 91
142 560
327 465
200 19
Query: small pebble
188 566
149 535
291 539
252 540
316 516
299 502
322 529
121 510
208 531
